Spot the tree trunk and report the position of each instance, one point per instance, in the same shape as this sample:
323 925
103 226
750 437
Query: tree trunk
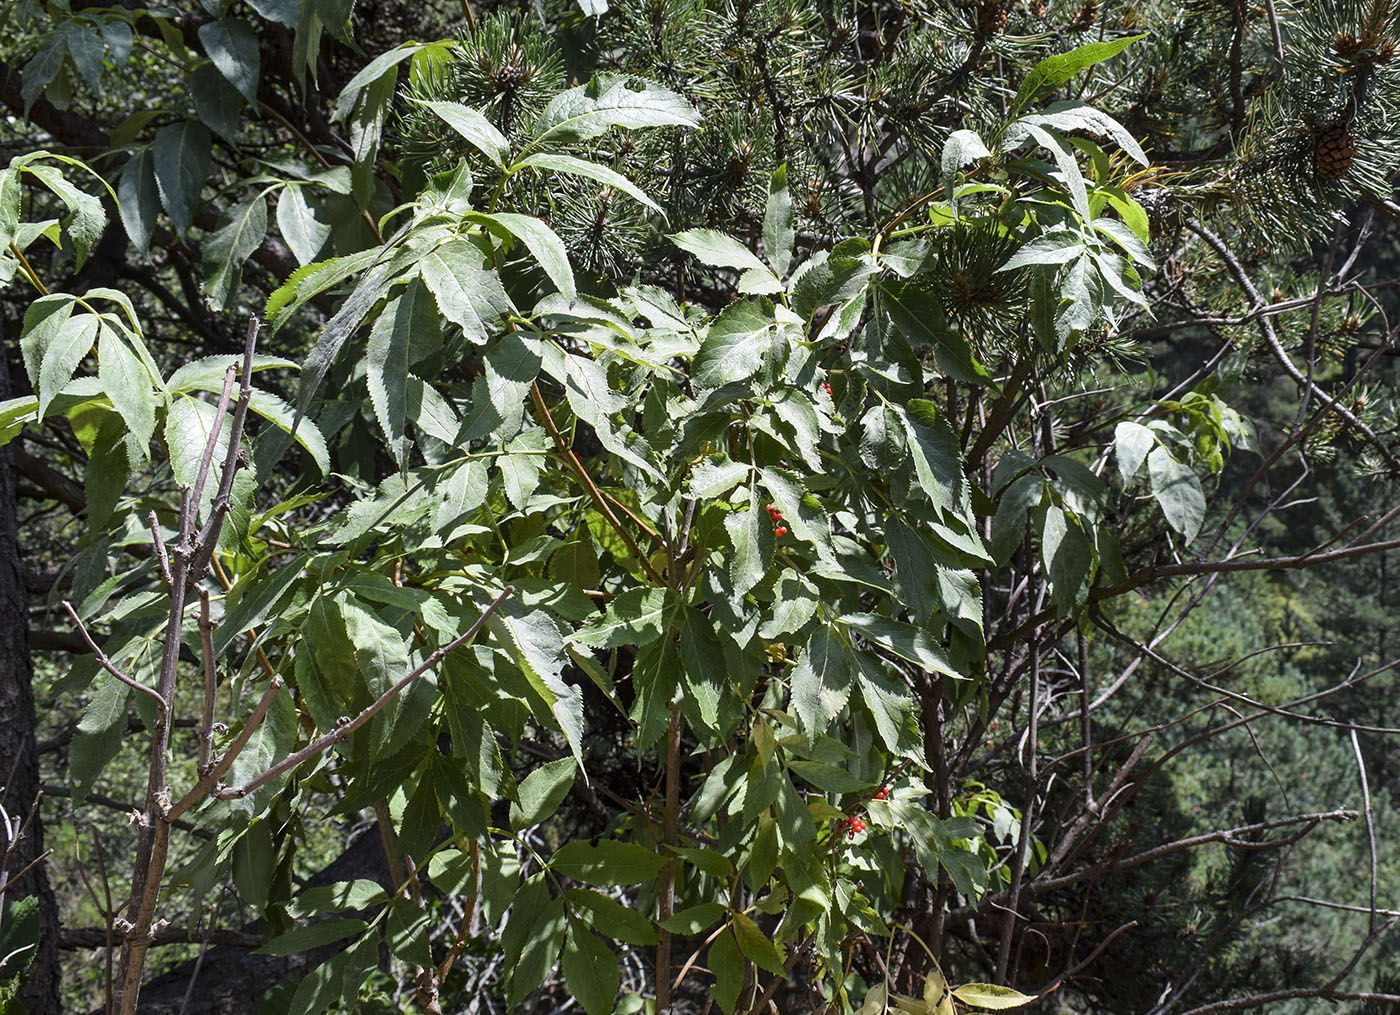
19 759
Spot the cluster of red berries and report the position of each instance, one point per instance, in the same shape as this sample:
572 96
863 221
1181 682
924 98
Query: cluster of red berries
781 530
827 388
854 823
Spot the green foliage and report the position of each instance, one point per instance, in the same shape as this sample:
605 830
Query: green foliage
679 504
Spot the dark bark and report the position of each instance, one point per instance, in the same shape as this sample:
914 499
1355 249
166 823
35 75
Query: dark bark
19 756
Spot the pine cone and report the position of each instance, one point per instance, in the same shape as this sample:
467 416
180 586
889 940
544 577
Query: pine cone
1039 9
1333 152
991 16
1088 14
1346 45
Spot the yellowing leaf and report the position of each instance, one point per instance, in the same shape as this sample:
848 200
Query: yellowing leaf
989 995
875 1000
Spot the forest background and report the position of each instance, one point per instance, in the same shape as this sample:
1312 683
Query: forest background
691 505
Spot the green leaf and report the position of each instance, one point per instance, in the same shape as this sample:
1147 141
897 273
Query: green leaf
829 778
733 349
989 995
281 415
85 47
693 919
338 329
758 946
381 655
728 966
794 603
637 617
779 232
607 863
301 223
341 976
751 532
126 381
336 898
718 250
188 424
542 242
585 112
405 330
522 464
101 732
85 220
712 863
532 939
284 12
182 157
937 456
478 131
138 198
311 935
962 148
14 413
703 662
53 343
571 165
591 971
890 706
821 681
371 73
1071 117
611 917
1063 155
1055 70
1131 443
883 444
468 295
1068 556
20 930
406 931
10 199
541 792
919 317
916 645
232 45
41 69
253 858
217 103
716 475
1178 492
229 247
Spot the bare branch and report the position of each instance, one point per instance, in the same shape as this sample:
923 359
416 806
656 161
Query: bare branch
106 664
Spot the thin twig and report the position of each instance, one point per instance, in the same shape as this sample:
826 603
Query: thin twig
206 641
572 461
1370 822
350 725
106 663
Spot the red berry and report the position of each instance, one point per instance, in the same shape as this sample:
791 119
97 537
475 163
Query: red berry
780 531
826 387
881 793
771 509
